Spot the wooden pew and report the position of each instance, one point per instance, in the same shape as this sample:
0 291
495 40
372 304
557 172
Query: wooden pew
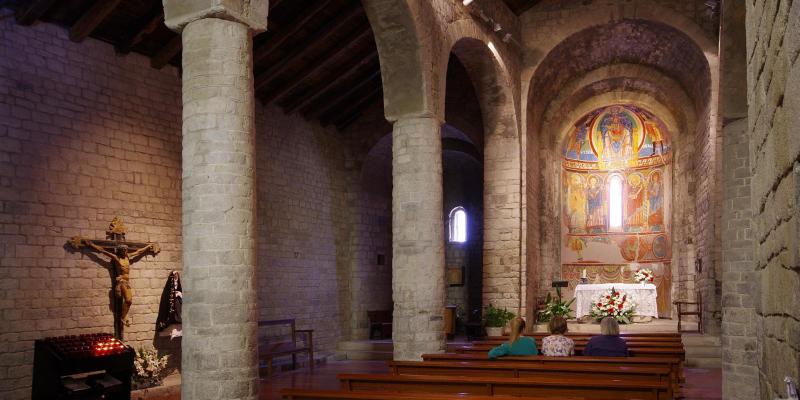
582 342
675 364
310 394
590 388
657 372
633 351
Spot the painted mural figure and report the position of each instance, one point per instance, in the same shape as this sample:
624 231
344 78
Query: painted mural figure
617 137
655 197
595 206
635 219
576 203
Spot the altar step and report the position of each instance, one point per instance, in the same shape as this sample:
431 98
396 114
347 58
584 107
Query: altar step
702 351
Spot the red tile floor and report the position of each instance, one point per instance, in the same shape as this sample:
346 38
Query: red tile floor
705 384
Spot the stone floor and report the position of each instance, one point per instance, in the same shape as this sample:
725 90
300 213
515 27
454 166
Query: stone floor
701 384
705 384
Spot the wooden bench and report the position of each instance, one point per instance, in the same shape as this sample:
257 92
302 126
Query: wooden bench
600 387
270 347
659 372
310 394
582 343
632 351
674 364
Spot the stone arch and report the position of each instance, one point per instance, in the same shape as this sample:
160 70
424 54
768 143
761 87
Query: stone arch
585 22
403 35
598 14
661 87
502 248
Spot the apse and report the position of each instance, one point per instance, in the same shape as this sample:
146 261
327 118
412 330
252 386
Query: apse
616 190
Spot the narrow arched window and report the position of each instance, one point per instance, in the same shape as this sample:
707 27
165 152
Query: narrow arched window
615 203
458 225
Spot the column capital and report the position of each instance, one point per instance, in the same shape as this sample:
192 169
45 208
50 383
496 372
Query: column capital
179 13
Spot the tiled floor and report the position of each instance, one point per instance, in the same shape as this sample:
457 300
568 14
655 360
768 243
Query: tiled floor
701 384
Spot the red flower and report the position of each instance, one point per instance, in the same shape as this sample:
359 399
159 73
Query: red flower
599 304
620 306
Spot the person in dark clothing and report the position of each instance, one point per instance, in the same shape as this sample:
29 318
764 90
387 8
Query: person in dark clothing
608 344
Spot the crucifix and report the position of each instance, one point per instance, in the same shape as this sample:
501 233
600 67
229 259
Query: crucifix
121 254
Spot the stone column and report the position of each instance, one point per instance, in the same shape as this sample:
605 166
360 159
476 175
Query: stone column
739 278
502 275
219 346
417 238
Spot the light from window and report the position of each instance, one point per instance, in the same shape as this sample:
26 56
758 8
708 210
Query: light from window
458 225
615 202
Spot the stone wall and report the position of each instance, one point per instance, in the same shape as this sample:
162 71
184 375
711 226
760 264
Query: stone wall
84 136
302 223
739 280
773 93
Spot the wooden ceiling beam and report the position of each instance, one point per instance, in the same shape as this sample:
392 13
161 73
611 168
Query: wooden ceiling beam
263 51
320 36
91 19
34 11
166 53
352 111
350 42
340 75
340 97
151 24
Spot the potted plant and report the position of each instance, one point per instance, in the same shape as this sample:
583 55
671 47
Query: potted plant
555 306
495 319
149 368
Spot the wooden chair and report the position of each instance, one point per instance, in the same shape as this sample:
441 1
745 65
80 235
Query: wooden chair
277 346
698 311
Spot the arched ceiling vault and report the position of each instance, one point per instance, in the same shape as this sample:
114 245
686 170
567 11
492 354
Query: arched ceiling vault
668 52
564 126
630 78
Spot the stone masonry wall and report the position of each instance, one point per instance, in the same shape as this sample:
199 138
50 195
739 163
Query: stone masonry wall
302 225
84 136
739 279
773 76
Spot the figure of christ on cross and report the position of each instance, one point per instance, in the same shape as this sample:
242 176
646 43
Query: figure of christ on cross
118 251
122 268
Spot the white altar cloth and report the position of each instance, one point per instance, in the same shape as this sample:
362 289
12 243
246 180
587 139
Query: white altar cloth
643 295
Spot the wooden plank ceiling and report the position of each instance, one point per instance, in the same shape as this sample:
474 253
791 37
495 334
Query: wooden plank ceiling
318 57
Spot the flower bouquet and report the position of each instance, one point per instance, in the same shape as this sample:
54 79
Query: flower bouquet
643 276
149 369
614 303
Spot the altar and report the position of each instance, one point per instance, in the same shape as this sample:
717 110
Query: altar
644 296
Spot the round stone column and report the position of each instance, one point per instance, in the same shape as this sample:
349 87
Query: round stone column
220 353
417 238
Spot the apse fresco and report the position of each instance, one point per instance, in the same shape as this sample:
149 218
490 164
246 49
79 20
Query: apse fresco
616 186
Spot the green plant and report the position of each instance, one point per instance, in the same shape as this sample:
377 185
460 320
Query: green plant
555 307
496 317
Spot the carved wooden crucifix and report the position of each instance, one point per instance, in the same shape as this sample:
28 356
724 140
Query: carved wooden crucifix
121 254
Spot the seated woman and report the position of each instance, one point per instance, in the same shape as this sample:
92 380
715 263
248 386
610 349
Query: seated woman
608 344
517 344
558 345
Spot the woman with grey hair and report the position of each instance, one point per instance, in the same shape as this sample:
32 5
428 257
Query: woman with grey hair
608 344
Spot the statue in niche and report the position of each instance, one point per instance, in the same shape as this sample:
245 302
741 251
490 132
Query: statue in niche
655 198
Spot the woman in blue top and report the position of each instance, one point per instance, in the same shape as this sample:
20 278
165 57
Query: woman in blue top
517 344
